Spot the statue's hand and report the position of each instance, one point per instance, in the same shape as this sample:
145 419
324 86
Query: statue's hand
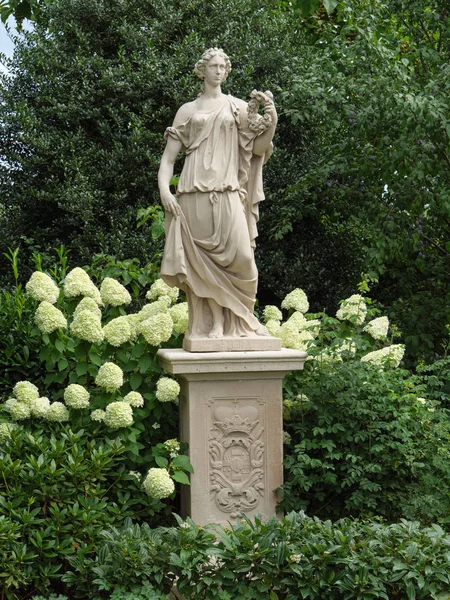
170 204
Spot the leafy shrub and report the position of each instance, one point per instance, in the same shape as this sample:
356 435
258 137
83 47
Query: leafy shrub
296 557
365 437
58 490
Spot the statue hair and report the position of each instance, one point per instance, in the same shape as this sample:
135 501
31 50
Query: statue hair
205 58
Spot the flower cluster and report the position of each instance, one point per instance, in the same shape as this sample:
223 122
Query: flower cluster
88 304
273 327
48 318
118 414
296 300
97 415
157 329
26 392
109 377
118 331
134 399
180 317
390 355
78 283
18 410
42 287
167 389
154 308
5 432
272 313
353 309
173 447
76 396
378 328
160 288
158 484
114 293
39 407
87 326
57 412
294 337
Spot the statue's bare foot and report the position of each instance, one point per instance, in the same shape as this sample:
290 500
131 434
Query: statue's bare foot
262 331
216 332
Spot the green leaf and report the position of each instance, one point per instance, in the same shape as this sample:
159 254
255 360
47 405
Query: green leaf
145 362
138 350
135 381
59 345
81 368
95 359
330 5
183 462
181 477
161 462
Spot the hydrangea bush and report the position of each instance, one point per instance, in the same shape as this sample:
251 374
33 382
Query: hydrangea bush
363 436
99 348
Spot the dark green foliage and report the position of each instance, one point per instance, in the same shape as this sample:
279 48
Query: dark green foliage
377 92
58 490
297 557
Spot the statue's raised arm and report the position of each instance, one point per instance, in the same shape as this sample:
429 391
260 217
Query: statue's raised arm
211 222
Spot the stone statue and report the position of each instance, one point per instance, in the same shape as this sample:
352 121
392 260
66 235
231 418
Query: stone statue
211 223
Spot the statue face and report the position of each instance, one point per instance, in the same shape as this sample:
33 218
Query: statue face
215 70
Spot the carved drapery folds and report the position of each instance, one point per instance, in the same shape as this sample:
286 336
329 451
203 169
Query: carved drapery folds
237 454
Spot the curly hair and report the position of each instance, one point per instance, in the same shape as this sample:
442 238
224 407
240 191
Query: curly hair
206 57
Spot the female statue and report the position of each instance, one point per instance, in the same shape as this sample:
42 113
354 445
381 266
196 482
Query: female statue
211 224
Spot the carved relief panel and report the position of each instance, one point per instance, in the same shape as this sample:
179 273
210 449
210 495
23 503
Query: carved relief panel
237 451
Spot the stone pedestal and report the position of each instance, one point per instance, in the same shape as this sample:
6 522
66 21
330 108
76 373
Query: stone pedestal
231 417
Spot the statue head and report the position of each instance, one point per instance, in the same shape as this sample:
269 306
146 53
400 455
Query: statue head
206 57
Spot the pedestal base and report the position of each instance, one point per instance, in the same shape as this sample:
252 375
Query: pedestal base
231 417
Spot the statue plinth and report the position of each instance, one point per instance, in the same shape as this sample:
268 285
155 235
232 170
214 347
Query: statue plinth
231 344
231 418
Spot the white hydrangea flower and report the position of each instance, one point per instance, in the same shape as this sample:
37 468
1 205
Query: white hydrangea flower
346 346
87 326
114 293
76 396
78 283
297 300
180 317
392 355
57 413
273 327
97 415
157 329
158 484
39 407
421 400
41 287
5 432
134 399
353 308
291 337
173 447
297 320
133 321
88 304
378 328
160 288
118 331
272 313
118 414
25 391
152 309
167 389
136 475
48 318
313 326
18 410
109 377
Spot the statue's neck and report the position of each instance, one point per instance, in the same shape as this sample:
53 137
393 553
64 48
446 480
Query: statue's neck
211 91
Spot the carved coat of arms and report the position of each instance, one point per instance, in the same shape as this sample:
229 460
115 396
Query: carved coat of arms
236 458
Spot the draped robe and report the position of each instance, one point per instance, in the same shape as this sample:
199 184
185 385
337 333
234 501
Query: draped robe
209 248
